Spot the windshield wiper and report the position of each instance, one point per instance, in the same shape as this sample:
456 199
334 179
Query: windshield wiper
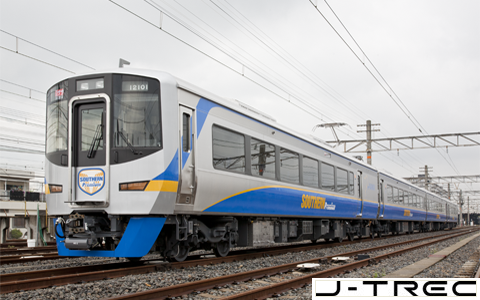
97 137
130 146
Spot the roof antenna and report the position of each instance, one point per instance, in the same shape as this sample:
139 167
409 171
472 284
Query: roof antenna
123 62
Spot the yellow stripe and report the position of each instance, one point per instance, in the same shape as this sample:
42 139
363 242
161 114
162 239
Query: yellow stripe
285 187
47 189
162 186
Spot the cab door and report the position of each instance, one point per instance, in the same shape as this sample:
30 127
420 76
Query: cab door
187 156
89 150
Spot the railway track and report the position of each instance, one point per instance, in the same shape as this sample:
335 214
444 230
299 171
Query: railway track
45 278
285 285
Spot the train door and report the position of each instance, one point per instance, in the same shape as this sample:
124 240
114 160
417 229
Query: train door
187 157
89 146
360 192
381 200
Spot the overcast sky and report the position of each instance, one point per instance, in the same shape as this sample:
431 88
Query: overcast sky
281 57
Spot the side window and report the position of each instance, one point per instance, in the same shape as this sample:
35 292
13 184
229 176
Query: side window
400 196
289 166
263 159
342 181
327 177
186 133
389 194
395 195
351 183
310 172
228 150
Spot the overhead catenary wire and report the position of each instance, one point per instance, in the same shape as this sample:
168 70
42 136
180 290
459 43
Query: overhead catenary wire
46 49
283 81
227 66
221 63
389 91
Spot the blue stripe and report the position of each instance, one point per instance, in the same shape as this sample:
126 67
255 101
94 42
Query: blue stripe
203 108
288 202
171 172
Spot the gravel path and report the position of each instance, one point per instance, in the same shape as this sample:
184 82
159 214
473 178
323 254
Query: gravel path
137 283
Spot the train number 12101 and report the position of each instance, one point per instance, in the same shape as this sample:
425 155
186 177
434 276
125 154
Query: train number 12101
129 86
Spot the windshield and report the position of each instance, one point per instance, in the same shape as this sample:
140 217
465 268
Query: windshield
57 118
136 116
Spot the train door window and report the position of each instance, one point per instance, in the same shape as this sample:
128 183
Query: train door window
289 166
351 181
327 177
186 135
389 194
263 159
228 150
310 172
342 181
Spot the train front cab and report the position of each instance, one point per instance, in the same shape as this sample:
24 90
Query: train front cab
110 175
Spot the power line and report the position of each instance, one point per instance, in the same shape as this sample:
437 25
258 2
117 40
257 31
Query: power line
41 47
419 126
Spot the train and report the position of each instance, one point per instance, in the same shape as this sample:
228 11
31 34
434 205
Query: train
139 161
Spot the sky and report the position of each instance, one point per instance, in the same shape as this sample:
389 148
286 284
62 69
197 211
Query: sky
294 60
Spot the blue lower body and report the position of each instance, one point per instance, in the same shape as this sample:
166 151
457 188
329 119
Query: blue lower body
137 240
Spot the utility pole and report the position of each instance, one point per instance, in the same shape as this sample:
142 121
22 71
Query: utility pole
460 200
369 138
427 169
449 192
468 210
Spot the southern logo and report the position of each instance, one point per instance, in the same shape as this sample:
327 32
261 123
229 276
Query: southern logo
91 181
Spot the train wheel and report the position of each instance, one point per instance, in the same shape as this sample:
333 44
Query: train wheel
313 241
339 239
379 234
182 253
222 249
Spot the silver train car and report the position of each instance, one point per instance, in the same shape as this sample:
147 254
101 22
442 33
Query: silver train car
139 161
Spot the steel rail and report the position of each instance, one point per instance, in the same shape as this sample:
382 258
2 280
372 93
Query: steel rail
32 280
29 258
191 287
275 289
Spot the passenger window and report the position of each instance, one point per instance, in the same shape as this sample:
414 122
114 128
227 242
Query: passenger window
342 181
263 159
400 197
390 194
228 150
289 166
395 195
310 172
327 178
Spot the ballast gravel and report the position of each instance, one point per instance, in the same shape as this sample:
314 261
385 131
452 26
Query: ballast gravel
138 283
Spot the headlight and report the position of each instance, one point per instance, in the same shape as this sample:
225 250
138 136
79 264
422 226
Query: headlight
133 186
